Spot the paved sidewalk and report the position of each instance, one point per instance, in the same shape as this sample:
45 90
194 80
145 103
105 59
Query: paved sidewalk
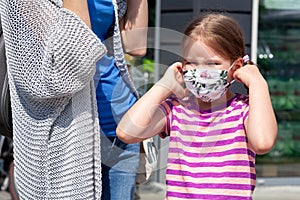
266 189
4 195
261 193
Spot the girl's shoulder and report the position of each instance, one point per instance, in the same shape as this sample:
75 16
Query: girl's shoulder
173 99
170 102
241 98
240 104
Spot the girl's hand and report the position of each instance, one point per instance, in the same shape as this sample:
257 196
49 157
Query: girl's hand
173 80
248 75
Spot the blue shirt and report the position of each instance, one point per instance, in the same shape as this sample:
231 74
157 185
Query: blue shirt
114 98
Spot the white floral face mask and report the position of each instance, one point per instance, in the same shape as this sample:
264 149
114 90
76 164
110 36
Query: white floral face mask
207 84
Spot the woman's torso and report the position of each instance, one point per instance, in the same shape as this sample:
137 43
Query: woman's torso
114 98
51 55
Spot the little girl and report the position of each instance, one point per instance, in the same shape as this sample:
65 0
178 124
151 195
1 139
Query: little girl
214 134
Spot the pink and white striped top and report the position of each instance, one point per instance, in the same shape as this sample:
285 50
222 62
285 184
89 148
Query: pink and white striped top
209 156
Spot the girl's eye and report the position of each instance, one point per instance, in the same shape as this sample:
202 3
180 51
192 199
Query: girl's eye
193 64
212 63
204 65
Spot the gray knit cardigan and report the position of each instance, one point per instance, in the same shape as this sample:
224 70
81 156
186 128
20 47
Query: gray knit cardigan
51 56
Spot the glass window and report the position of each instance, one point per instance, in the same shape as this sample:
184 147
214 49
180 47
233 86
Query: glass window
278 57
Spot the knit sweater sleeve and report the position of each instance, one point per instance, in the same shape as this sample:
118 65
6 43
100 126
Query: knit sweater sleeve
51 52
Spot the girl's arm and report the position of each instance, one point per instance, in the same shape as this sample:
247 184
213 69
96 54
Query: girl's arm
134 27
261 125
145 118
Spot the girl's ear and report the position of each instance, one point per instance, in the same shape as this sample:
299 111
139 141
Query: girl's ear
238 64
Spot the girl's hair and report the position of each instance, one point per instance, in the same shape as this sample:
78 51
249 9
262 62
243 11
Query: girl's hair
219 32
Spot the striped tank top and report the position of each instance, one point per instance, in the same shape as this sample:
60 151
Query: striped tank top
209 156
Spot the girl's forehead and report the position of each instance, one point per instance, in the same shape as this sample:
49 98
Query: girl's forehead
197 49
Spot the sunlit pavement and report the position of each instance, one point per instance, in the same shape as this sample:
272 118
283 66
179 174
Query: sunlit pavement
277 193
266 189
5 195
261 193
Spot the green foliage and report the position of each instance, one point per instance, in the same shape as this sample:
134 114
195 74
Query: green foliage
287 147
148 65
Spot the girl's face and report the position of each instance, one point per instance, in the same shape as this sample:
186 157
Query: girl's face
199 55
206 74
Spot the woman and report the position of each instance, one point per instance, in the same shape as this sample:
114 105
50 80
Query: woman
51 56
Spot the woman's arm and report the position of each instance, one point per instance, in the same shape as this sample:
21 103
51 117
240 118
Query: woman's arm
60 49
80 8
134 27
145 118
261 125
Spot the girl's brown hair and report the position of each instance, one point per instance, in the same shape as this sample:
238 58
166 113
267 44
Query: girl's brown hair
218 31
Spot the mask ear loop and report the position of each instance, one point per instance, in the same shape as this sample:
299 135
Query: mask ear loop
246 60
231 82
